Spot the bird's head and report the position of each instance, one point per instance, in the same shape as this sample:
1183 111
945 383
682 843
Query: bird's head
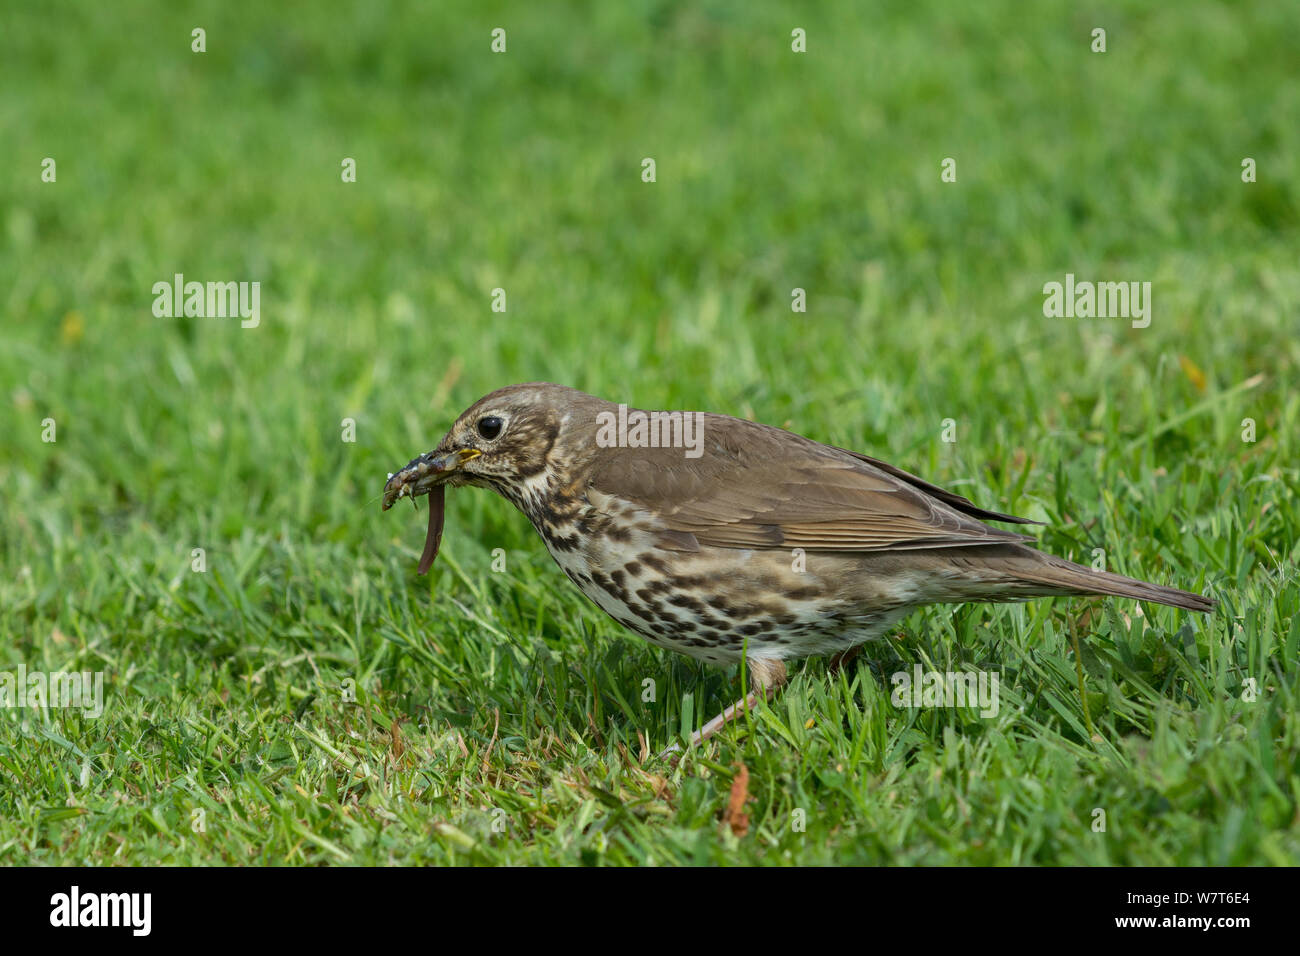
515 440
501 441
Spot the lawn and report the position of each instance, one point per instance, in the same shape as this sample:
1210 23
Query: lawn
280 687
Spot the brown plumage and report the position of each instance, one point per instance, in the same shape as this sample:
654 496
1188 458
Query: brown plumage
746 540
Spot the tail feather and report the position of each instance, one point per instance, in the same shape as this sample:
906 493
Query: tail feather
1066 577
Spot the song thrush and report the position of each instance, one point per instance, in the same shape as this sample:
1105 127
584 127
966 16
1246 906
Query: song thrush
722 538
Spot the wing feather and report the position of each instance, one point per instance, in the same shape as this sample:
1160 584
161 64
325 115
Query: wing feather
760 487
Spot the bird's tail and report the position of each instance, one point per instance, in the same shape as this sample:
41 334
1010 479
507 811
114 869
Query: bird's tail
1059 576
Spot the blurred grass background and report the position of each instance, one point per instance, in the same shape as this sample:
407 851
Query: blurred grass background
480 692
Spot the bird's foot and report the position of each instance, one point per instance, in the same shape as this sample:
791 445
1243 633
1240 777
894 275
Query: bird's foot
766 677
712 727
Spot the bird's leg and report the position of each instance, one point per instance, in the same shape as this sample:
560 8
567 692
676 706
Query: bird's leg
842 658
766 677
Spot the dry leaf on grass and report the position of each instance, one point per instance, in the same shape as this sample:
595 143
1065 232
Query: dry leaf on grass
735 816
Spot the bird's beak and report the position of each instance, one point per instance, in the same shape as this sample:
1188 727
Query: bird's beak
425 473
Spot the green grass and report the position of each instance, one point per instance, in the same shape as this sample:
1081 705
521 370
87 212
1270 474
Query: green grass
489 698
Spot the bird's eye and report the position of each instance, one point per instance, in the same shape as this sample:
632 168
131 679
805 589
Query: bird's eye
490 427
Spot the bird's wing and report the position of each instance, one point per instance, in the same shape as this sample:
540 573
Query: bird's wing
755 486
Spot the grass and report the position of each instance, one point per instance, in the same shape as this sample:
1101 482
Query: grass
498 717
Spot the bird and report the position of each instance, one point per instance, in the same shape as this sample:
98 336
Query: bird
733 541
